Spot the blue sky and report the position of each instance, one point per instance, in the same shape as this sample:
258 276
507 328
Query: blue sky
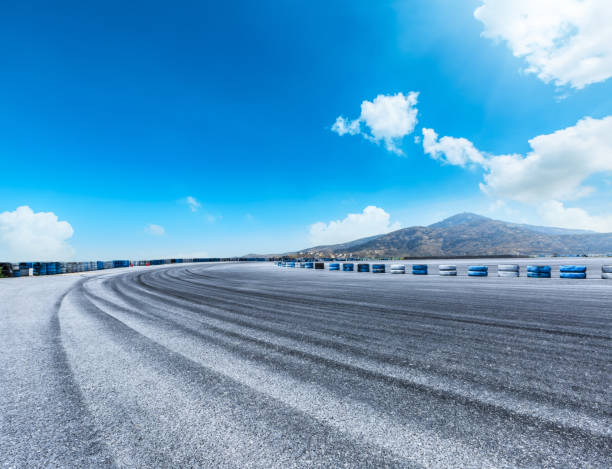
114 113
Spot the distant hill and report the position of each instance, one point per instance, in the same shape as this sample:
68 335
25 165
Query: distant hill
472 218
468 234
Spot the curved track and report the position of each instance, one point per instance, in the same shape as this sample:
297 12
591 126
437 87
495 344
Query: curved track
250 366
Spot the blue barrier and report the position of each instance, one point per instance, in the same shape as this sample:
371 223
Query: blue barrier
334 266
378 268
580 269
348 267
419 269
578 275
363 267
538 274
477 273
540 269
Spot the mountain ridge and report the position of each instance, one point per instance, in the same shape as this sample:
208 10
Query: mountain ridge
469 234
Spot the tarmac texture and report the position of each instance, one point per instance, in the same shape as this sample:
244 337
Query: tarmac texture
251 365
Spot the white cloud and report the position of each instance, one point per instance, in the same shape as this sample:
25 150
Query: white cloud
371 221
194 205
455 151
388 118
555 169
563 41
155 230
26 235
344 126
555 213
557 166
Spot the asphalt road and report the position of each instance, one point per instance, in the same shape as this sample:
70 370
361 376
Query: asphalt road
234 365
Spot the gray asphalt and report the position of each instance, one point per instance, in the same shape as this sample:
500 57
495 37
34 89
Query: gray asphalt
243 365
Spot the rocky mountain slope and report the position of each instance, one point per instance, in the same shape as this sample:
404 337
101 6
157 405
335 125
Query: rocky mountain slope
468 234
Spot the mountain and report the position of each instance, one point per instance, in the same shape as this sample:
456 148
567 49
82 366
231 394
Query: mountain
555 231
468 234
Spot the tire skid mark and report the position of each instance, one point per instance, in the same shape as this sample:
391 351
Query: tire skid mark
88 435
373 308
200 306
382 378
266 359
403 331
121 415
322 301
381 358
308 301
180 366
267 346
398 330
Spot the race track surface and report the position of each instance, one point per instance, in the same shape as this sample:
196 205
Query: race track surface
238 366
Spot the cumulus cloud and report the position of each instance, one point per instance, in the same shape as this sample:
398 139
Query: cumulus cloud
155 230
563 41
372 221
194 205
555 213
387 119
555 169
28 235
455 151
344 126
557 166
